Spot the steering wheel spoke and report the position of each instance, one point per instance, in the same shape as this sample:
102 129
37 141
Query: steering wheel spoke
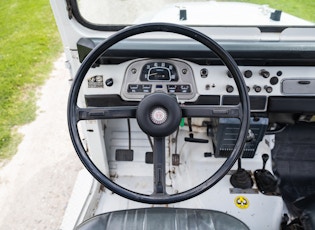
233 111
106 113
159 166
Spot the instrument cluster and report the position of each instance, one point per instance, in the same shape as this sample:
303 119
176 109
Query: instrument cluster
170 76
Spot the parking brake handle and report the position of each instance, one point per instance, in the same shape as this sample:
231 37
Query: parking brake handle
191 135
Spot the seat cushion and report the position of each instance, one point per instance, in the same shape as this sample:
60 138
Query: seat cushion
163 218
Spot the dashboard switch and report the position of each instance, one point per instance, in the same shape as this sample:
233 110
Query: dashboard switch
268 88
178 89
264 73
248 73
274 80
257 88
146 88
229 88
109 82
138 88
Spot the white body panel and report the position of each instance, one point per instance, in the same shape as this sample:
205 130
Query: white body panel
103 137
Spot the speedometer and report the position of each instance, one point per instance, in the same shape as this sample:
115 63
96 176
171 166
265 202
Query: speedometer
159 71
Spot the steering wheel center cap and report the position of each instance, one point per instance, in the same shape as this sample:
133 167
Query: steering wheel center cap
158 115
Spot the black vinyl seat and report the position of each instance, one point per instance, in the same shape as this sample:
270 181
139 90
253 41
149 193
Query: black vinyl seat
163 218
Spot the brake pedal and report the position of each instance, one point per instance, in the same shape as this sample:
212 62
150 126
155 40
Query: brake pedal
124 155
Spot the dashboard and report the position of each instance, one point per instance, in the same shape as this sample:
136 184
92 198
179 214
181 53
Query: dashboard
281 81
195 83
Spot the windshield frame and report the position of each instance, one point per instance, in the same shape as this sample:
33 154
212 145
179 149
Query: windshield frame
73 11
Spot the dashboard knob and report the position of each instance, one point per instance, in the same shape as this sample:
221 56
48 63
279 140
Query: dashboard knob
204 73
268 88
264 73
257 88
248 73
109 82
274 80
229 88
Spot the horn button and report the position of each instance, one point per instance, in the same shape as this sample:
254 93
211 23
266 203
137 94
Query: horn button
159 114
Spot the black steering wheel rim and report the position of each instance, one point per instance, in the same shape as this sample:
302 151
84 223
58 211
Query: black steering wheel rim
92 57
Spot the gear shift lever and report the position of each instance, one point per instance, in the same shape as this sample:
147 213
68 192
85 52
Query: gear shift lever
266 182
241 178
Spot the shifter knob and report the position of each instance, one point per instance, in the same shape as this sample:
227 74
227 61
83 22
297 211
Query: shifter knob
265 158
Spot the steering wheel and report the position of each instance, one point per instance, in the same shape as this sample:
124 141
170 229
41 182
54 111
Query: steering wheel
158 115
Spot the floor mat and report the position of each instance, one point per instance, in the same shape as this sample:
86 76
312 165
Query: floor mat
294 161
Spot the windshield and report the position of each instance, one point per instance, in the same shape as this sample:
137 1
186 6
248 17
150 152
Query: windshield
196 12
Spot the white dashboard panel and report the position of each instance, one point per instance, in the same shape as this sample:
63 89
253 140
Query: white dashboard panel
189 81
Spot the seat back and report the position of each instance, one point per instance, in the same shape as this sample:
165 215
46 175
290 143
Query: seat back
163 218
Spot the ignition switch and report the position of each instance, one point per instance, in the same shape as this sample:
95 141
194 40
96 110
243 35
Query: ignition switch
204 73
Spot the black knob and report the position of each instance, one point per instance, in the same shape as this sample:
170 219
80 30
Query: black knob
204 72
229 88
265 158
279 73
248 73
274 80
264 73
109 82
257 88
268 88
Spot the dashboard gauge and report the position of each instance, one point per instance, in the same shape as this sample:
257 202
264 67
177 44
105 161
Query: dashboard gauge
159 71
